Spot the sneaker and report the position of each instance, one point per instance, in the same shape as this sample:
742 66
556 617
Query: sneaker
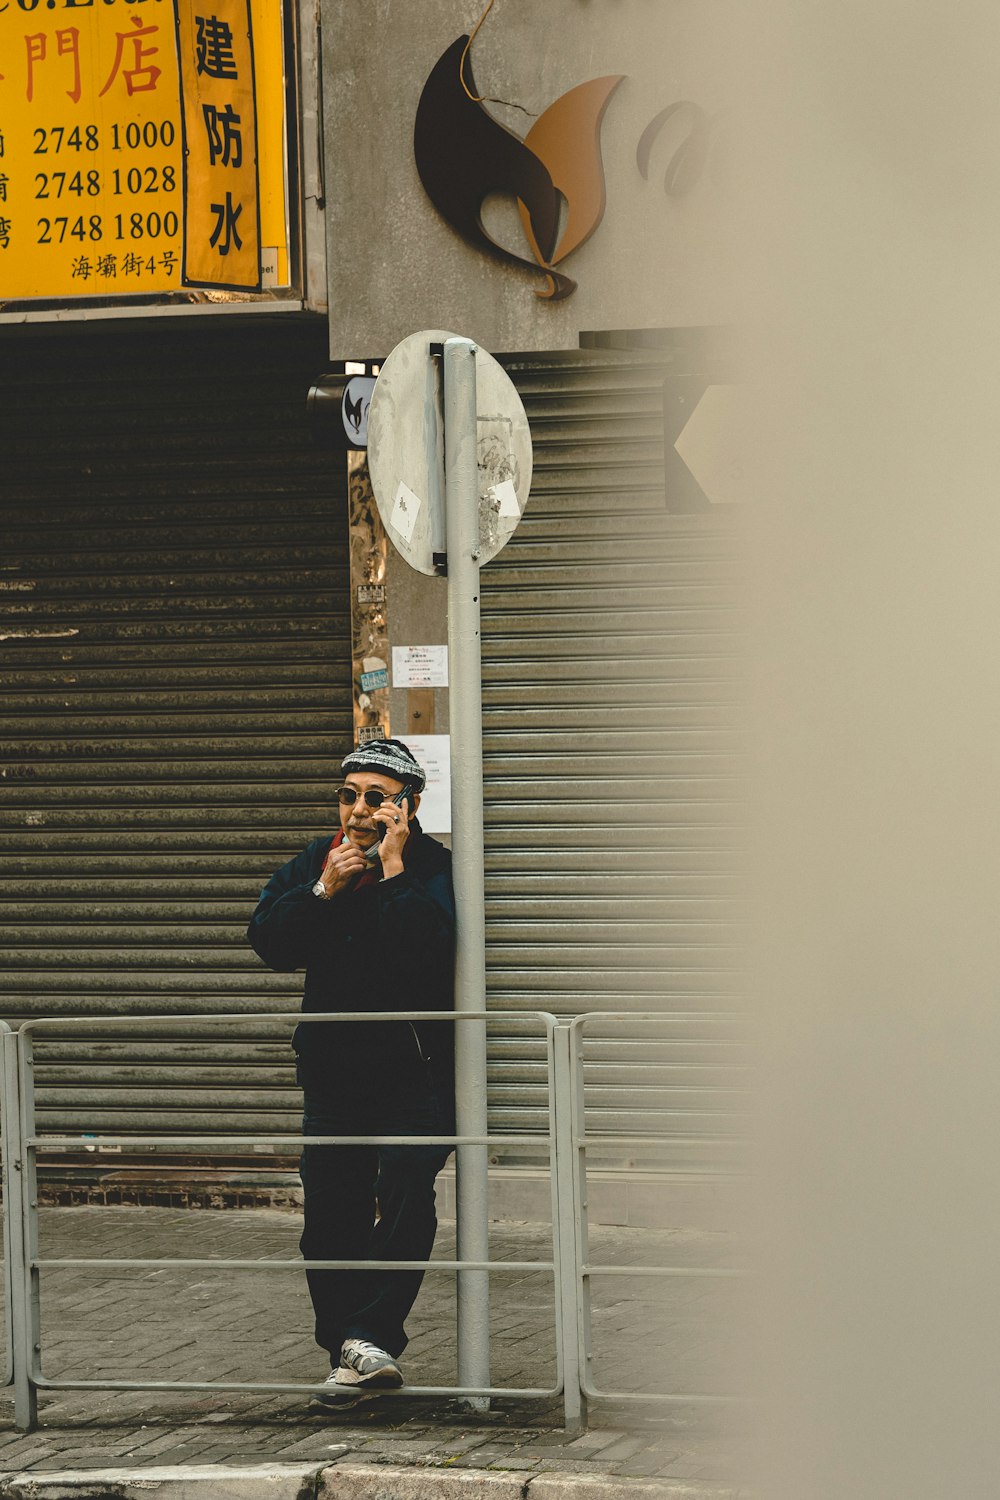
366 1366
335 1394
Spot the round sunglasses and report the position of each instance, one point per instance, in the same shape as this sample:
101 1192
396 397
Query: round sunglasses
348 795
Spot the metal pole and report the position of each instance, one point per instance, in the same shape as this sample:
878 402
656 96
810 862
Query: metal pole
465 698
23 1239
567 1253
581 1235
6 1173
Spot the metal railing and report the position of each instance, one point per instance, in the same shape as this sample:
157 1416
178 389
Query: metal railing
585 1269
566 1143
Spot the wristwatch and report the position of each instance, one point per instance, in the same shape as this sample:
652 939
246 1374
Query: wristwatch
319 889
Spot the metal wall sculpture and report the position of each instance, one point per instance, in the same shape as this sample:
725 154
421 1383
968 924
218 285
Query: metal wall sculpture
463 155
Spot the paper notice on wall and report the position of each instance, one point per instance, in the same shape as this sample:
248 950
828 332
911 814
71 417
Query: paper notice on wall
506 495
405 510
433 751
419 666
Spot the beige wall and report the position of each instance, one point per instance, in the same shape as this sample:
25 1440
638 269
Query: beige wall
869 275
876 554
395 266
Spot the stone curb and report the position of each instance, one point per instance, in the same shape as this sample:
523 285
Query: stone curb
182 1482
367 1482
340 1482
187 1482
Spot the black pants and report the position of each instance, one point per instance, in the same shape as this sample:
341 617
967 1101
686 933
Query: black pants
342 1185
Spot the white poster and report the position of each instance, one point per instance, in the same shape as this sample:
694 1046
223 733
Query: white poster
419 666
433 751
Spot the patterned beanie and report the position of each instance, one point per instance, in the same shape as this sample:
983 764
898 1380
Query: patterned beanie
391 757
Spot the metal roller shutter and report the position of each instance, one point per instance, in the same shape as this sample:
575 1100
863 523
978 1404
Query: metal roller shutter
174 672
175 683
612 766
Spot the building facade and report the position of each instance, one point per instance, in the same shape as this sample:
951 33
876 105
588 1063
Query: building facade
179 653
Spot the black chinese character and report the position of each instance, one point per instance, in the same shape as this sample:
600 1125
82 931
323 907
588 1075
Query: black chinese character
225 222
214 48
225 139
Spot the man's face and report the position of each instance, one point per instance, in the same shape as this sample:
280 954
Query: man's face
356 820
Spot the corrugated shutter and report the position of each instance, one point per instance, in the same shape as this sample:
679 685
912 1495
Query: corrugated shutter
611 669
175 683
174 675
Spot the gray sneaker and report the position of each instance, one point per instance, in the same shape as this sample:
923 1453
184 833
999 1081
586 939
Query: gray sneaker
335 1395
367 1367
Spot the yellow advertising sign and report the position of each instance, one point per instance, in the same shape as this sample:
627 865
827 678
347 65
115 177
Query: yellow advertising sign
97 196
221 233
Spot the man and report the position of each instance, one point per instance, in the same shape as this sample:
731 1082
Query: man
370 916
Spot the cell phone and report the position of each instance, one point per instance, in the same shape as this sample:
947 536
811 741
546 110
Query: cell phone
397 801
371 854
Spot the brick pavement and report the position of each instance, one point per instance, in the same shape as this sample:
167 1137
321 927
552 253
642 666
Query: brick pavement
160 1324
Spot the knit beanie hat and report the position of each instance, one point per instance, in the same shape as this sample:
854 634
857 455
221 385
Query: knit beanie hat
391 757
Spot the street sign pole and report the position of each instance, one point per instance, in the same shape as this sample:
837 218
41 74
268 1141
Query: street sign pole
432 381
465 700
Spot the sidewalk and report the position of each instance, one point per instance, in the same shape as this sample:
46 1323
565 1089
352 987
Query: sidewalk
158 1324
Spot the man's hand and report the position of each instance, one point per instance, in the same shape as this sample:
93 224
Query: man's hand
397 830
342 865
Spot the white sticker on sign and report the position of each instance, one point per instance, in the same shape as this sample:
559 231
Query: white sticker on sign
419 666
507 495
405 510
268 253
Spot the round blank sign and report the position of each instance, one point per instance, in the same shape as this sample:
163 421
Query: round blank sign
406 451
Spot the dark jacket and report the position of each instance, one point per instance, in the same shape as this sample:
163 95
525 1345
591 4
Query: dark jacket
386 945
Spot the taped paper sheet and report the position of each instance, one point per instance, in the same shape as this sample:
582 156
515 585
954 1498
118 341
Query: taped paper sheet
419 666
405 510
433 751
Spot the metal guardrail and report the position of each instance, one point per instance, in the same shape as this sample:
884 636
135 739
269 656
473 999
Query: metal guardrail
26 1270
566 1143
584 1268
